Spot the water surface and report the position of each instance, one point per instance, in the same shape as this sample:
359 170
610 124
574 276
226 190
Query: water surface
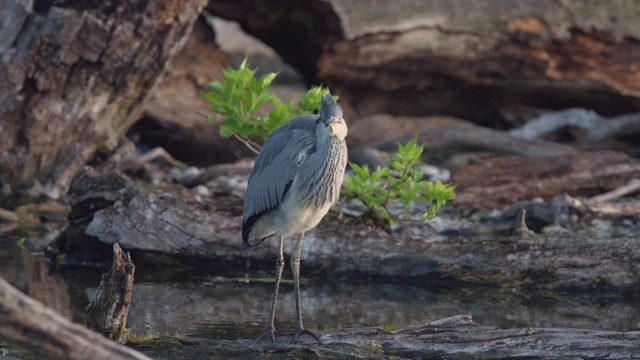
235 305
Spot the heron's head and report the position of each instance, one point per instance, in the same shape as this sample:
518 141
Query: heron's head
331 115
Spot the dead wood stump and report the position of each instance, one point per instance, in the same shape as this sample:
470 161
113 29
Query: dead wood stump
107 313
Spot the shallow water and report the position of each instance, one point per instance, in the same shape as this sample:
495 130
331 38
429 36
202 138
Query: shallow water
236 305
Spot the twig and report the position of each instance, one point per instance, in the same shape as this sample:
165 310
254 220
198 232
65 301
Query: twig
159 153
520 229
628 188
8 216
248 143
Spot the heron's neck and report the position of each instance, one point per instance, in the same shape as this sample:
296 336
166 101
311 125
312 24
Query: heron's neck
340 130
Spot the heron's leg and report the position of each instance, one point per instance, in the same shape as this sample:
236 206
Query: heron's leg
295 268
271 330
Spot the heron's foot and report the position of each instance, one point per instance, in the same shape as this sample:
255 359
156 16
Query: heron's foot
270 334
302 331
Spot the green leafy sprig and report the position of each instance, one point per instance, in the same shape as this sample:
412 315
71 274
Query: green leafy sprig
236 101
400 182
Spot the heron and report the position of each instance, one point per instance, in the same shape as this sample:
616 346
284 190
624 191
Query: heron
294 182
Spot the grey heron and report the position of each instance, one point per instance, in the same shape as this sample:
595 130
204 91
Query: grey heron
296 178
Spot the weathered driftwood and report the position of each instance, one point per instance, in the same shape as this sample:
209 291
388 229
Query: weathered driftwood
498 181
463 138
457 337
159 222
107 313
75 77
45 333
597 127
458 138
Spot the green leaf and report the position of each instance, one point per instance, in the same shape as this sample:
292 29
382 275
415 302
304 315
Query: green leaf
267 79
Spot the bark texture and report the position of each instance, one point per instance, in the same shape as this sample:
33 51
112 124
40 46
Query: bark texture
48 335
75 76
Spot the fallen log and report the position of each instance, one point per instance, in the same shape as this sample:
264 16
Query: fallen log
459 138
447 138
455 57
153 223
455 337
45 333
499 181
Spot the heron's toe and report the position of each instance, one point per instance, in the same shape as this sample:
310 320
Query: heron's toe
269 334
302 331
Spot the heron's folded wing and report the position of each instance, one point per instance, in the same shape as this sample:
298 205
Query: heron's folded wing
277 164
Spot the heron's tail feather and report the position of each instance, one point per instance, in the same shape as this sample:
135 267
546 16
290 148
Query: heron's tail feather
246 245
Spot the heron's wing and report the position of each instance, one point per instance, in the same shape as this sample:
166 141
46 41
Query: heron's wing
276 165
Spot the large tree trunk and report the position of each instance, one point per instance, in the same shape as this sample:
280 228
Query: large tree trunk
473 59
74 77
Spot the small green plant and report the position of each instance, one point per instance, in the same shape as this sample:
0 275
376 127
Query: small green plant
22 243
389 327
377 189
236 99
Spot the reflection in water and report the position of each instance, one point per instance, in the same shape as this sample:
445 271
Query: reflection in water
228 308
